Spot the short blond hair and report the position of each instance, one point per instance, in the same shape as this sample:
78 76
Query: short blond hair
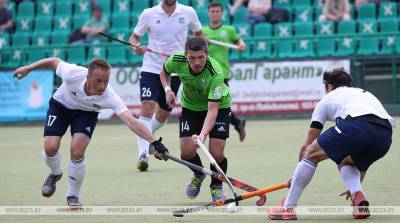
99 63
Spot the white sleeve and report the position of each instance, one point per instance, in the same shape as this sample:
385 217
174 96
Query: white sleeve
320 113
194 24
69 71
117 105
141 26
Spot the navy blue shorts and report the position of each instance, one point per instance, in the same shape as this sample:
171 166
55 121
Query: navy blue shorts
365 142
152 89
59 118
191 122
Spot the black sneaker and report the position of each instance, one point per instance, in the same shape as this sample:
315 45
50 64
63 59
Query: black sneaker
143 163
49 186
240 129
73 203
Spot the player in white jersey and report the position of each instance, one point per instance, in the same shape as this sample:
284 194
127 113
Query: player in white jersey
361 136
76 104
167 25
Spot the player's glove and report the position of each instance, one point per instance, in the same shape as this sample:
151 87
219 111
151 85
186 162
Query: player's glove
160 149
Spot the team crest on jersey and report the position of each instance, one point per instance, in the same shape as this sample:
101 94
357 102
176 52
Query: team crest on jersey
202 84
222 33
158 21
181 20
218 91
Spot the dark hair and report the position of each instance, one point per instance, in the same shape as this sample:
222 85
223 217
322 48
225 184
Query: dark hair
196 44
215 4
97 8
99 63
337 77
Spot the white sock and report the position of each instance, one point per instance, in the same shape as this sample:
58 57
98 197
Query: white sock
143 145
301 177
351 178
155 124
54 163
76 174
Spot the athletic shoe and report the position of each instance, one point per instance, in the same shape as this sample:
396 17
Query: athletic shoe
143 163
240 129
193 189
280 213
73 203
49 186
360 204
217 193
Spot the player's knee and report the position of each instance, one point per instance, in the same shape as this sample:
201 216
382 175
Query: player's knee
312 154
218 155
147 108
50 148
77 153
162 115
188 155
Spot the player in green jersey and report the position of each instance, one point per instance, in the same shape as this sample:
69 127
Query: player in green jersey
224 33
206 110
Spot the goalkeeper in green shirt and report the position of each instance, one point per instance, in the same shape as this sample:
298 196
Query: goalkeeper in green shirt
206 110
224 33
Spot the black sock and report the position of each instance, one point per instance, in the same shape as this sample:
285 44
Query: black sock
197 161
234 120
224 166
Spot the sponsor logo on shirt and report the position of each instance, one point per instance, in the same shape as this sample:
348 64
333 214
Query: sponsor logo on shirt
218 91
96 106
181 20
73 93
158 21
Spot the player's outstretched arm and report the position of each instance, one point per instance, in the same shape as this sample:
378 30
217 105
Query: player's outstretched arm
135 126
139 129
48 63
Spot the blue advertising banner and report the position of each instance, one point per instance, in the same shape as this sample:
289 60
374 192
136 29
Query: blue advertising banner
25 99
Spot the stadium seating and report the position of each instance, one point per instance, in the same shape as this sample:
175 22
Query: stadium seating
373 30
43 25
40 39
387 11
121 7
45 9
64 8
284 49
326 28
304 48
388 45
263 30
368 46
26 10
59 38
326 46
76 55
261 50
116 55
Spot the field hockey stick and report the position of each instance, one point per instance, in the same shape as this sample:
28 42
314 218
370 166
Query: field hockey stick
215 164
237 183
180 213
133 45
219 43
